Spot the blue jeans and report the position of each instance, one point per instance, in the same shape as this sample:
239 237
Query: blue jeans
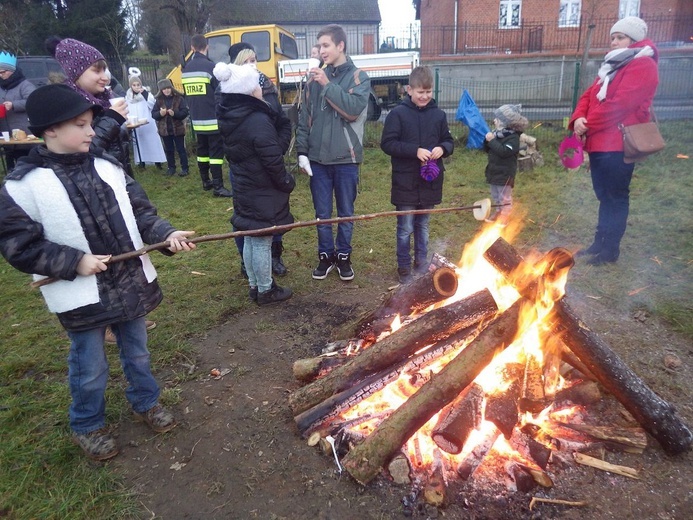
88 373
611 183
342 180
418 226
257 257
502 195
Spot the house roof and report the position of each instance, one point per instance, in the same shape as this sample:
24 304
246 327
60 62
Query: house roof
256 12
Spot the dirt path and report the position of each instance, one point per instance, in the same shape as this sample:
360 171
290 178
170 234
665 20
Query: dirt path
237 453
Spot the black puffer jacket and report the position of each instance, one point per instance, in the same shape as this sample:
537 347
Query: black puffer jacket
123 290
112 137
408 128
502 157
261 184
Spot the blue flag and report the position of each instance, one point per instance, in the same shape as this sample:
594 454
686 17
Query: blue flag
468 113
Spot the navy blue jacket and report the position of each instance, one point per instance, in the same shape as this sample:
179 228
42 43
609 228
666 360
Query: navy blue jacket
408 128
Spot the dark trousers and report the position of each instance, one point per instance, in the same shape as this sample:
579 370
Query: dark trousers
172 143
611 183
210 156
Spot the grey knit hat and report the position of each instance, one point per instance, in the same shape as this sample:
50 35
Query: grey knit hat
510 117
632 26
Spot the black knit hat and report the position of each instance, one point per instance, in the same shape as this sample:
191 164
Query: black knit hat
236 48
52 104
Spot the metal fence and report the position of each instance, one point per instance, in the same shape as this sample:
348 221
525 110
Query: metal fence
149 67
552 97
543 36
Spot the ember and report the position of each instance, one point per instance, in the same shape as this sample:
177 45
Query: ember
491 368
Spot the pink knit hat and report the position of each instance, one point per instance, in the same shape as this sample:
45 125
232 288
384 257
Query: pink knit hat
75 57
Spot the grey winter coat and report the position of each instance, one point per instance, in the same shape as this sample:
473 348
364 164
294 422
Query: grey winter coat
16 89
332 118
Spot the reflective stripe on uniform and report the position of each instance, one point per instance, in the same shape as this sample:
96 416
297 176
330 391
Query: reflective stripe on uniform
216 161
195 83
202 159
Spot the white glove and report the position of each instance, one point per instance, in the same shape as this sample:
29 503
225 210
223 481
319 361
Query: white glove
304 164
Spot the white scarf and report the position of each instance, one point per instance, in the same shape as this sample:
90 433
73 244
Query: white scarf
613 61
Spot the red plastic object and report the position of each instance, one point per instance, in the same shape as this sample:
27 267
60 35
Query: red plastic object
3 112
570 152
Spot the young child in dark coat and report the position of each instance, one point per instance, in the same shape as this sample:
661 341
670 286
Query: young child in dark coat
261 185
170 112
417 137
503 146
64 211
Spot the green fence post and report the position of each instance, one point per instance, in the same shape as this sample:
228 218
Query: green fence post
576 86
435 86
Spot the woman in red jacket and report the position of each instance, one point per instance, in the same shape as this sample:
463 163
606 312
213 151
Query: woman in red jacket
621 94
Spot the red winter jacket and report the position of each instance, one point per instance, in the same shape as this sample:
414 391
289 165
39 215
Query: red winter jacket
627 101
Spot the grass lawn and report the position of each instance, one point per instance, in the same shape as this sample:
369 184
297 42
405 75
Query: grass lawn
42 475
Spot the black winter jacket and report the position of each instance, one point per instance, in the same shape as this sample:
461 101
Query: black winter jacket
261 184
112 137
124 293
408 128
502 157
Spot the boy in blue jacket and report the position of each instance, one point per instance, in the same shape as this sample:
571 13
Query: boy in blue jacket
416 137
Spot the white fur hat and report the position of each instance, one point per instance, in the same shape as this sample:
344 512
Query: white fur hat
237 79
632 26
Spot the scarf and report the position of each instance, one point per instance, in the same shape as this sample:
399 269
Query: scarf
15 79
615 60
131 97
99 99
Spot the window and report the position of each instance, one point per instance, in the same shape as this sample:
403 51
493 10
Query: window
260 41
628 8
219 48
509 15
569 13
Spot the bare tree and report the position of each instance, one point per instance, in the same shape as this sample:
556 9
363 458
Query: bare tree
133 18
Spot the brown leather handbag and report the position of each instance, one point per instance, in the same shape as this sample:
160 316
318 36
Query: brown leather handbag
641 140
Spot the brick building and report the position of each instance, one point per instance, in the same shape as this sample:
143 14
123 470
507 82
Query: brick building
473 27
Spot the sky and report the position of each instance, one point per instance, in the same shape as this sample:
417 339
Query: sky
396 12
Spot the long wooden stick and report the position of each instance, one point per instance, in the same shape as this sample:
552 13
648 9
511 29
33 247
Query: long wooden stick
274 230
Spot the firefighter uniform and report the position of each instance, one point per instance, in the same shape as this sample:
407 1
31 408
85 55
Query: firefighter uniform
199 85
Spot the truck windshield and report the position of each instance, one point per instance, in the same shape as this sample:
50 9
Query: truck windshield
261 43
219 48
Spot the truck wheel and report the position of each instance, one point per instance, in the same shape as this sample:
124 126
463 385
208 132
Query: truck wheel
374 109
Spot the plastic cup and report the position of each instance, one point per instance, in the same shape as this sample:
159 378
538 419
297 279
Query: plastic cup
5 136
116 100
313 63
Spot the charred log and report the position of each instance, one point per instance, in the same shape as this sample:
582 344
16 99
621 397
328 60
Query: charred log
458 419
653 413
407 299
472 461
364 461
434 326
502 408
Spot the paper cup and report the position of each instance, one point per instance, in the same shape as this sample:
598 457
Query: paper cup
116 100
132 120
5 136
313 63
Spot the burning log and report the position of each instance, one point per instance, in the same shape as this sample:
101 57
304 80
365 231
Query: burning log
524 481
502 408
472 461
458 420
435 490
416 296
583 393
326 411
529 448
433 326
631 440
365 460
653 413
533 398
